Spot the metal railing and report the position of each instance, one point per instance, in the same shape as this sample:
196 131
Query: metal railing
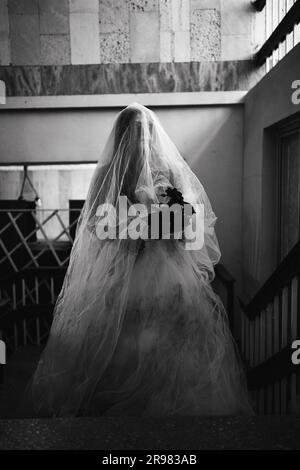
282 30
26 235
27 301
35 245
270 323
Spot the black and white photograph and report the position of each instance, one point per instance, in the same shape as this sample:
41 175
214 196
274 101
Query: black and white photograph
149 229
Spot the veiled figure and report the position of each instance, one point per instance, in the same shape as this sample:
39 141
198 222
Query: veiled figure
137 328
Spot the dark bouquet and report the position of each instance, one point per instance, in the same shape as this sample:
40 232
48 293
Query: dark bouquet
182 211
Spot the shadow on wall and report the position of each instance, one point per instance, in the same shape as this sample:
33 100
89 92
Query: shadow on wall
213 146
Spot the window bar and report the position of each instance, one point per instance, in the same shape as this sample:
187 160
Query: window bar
289 41
277 398
8 256
269 18
37 256
294 307
65 230
276 339
252 343
7 226
248 340
28 293
246 323
297 34
23 293
261 401
24 332
269 399
14 296
293 399
289 4
21 243
28 335
283 396
282 9
262 337
284 321
269 324
256 341
281 14
275 22
49 242
275 13
38 330
22 238
52 290
43 281
15 336
36 283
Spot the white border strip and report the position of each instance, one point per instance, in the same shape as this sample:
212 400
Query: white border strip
202 98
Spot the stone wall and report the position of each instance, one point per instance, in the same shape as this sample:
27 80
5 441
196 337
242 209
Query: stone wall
61 32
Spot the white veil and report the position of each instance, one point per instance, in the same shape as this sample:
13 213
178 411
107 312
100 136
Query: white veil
139 161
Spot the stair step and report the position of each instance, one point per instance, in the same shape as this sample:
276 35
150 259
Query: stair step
172 433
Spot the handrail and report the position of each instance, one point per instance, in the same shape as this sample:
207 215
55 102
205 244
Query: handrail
272 370
291 18
259 5
287 269
269 325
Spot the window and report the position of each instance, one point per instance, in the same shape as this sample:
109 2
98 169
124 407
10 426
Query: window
55 185
289 187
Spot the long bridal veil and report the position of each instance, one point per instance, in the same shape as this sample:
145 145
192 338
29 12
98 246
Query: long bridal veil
140 161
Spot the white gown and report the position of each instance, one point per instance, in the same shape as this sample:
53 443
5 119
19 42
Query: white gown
175 354
137 328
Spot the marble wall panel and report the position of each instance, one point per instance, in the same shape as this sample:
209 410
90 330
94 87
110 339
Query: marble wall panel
144 36
84 35
4 34
25 39
130 78
206 34
55 49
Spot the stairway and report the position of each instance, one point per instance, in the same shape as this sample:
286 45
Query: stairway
269 323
